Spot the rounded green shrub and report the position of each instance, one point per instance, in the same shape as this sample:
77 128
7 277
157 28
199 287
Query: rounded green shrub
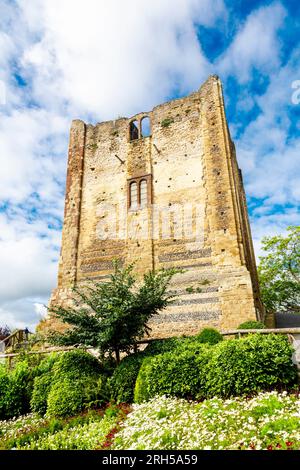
251 325
160 346
249 365
46 364
181 373
209 336
15 390
76 364
124 377
69 397
41 389
78 383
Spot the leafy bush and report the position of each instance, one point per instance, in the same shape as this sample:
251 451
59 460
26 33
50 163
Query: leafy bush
251 325
210 336
46 364
181 373
160 346
68 383
68 397
251 364
15 390
76 364
233 367
124 377
41 390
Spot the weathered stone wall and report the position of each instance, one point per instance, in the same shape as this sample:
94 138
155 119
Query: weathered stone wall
196 216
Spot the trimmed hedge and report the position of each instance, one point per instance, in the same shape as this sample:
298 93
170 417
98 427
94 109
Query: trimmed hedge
123 380
232 367
251 325
209 336
160 346
179 373
15 390
68 383
76 364
41 390
248 365
68 397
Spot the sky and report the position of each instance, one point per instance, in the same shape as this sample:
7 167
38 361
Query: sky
96 60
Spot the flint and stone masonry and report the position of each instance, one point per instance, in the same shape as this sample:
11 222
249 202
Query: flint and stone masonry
168 193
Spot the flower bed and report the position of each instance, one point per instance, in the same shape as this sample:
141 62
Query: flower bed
83 432
268 421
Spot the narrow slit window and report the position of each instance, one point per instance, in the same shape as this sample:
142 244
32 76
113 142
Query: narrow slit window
134 130
143 193
133 195
145 127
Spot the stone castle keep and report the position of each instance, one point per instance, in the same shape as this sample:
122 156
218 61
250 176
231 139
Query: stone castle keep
163 189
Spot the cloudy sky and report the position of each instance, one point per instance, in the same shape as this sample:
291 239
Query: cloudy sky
99 59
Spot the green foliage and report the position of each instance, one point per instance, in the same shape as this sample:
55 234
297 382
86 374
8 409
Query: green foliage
251 325
141 392
66 382
210 336
87 436
229 368
46 364
68 397
177 373
279 272
42 383
15 390
41 390
76 364
78 383
111 316
249 365
167 122
124 377
160 346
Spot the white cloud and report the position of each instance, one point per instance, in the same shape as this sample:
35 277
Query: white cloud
110 59
256 44
266 148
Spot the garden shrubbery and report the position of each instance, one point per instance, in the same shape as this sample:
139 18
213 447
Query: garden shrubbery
41 390
251 325
69 397
197 367
233 367
15 390
77 383
209 336
180 373
248 365
60 385
124 377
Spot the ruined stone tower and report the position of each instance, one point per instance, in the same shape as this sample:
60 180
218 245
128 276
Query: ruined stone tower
163 189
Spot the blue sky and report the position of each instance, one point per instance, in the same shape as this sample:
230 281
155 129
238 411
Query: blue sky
97 60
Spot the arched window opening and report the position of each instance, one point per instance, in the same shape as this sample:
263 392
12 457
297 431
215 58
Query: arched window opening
143 193
133 195
134 130
145 127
